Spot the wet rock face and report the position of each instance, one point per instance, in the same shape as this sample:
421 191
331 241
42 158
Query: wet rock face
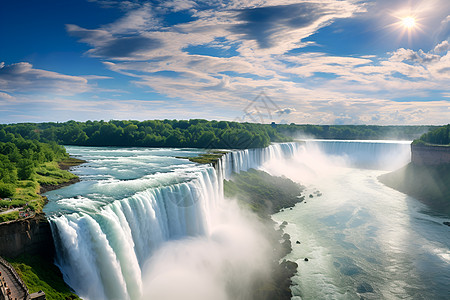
31 236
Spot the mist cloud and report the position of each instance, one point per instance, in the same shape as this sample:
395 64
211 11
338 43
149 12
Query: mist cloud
221 266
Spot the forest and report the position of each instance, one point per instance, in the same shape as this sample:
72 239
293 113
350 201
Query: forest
438 136
26 165
20 157
154 133
197 133
354 132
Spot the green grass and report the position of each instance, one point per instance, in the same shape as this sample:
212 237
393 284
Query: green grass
40 274
69 162
262 193
27 191
9 216
206 158
50 173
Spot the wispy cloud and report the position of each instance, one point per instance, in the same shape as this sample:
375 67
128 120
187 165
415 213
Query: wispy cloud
225 53
22 77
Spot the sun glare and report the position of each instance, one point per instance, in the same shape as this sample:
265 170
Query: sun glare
409 22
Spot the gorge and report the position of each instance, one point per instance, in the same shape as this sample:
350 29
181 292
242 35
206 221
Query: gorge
142 222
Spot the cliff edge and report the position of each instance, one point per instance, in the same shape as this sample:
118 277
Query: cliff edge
426 178
26 236
430 155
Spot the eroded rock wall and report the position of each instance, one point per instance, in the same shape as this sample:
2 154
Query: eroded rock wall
28 236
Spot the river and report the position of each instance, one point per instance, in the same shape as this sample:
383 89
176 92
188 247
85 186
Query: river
363 240
144 224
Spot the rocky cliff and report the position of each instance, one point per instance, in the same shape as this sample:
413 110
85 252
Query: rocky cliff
427 155
27 236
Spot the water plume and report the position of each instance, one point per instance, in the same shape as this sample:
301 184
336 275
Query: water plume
221 266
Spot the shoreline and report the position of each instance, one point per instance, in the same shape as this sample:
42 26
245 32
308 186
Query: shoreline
428 184
265 195
65 165
44 188
28 245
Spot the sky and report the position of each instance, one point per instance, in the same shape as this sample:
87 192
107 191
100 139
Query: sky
307 62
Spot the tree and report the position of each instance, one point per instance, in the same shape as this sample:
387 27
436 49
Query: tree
8 172
7 190
25 168
207 139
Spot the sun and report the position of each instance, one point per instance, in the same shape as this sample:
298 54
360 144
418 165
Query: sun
409 22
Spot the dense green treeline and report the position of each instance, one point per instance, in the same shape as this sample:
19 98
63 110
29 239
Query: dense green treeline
438 136
19 159
197 133
354 132
155 133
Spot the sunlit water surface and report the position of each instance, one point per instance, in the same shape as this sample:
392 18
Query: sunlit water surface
363 240
114 173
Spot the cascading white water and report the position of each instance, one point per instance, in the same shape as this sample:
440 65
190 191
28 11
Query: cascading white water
109 248
133 203
243 160
383 155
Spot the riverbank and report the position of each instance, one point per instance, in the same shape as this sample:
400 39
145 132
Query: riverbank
27 242
27 199
429 184
265 195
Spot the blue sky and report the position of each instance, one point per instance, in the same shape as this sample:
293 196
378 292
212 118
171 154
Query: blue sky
316 62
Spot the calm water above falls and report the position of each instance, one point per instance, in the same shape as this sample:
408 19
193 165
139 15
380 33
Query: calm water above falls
362 239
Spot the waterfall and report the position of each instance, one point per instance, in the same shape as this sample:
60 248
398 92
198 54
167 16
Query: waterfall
106 250
243 160
382 155
102 251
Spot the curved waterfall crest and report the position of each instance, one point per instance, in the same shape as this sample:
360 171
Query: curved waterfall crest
102 251
243 160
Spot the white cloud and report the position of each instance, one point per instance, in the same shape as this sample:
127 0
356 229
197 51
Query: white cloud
135 21
179 5
442 47
413 56
313 87
22 77
286 24
5 96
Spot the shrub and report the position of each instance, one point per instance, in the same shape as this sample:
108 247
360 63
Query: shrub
6 190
